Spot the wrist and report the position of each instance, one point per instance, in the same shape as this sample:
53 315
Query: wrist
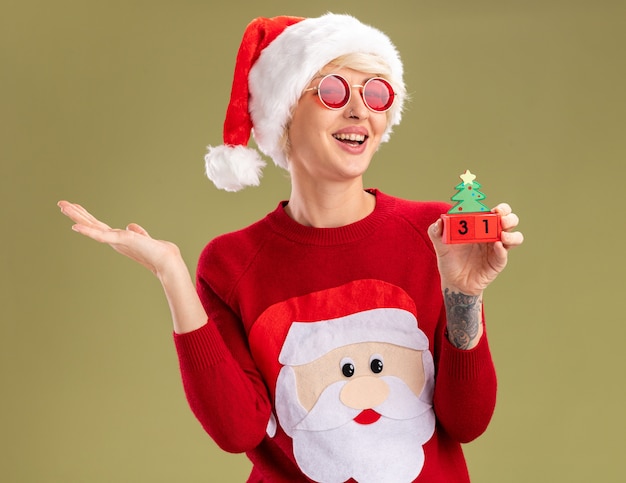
172 268
461 288
464 318
180 291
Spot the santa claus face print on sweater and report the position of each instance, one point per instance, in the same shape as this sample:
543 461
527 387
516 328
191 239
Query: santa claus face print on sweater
354 392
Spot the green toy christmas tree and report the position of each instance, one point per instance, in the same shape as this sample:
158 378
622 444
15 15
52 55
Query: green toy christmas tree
469 221
468 195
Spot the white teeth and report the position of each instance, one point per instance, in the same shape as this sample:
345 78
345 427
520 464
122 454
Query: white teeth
359 138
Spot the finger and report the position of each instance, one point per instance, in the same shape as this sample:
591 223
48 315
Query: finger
109 236
80 215
509 221
71 210
512 239
86 215
67 208
502 209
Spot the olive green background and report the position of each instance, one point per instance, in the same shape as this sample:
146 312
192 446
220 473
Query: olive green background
111 104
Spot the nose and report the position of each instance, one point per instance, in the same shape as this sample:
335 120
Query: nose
356 108
364 392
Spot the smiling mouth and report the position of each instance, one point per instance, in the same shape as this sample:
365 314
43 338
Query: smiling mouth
352 139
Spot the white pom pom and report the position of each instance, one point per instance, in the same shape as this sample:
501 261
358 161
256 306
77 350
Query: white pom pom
233 168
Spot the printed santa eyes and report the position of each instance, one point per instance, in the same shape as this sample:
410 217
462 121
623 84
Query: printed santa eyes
348 368
376 364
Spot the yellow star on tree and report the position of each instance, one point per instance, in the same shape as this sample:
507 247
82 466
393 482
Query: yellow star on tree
467 177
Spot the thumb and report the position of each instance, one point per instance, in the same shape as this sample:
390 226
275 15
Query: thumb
134 227
435 231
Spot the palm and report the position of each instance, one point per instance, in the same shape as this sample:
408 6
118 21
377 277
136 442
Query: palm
470 267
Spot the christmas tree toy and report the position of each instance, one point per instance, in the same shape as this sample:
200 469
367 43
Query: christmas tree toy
469 221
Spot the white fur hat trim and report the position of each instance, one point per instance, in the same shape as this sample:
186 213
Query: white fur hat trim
232 168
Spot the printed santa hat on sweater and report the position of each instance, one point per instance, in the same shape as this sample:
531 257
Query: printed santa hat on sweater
276 61
302 329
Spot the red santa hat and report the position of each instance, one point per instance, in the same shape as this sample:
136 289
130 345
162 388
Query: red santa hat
277 59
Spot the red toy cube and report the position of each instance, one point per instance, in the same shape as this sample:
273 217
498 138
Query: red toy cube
471 227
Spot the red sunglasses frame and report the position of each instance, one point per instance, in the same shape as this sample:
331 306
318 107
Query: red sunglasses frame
348 96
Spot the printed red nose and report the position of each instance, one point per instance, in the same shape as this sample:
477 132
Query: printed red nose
367 416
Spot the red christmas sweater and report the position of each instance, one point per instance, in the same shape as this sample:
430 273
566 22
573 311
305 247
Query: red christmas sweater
351 318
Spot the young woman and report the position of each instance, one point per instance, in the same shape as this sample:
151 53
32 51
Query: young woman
338 338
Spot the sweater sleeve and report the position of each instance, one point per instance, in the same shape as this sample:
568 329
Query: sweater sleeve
222 384
465 389
465 386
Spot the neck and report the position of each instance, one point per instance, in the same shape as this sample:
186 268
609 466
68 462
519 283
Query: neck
330 205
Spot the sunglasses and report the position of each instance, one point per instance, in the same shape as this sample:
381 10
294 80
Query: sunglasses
335 93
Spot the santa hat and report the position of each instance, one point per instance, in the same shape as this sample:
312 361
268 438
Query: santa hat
302 329
277 59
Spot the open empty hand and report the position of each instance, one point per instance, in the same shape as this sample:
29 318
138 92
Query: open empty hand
133 242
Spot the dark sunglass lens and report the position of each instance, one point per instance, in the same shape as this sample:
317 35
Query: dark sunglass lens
334 91
378 94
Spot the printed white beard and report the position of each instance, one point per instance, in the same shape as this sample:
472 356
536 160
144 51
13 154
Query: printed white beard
330 447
